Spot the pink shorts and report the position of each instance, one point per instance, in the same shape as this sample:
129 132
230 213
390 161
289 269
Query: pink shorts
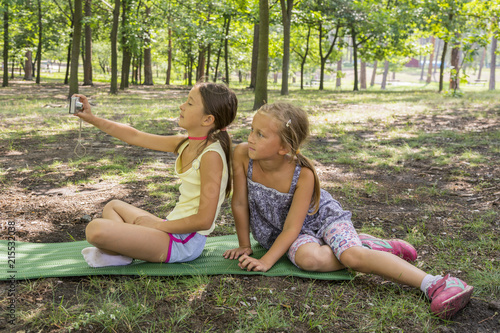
339 236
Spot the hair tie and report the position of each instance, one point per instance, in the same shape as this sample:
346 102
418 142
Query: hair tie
223 129
288 123
297 152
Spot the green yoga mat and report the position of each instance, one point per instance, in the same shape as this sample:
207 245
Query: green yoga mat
22 260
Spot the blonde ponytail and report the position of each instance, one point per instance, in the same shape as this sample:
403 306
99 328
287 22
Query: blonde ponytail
307 163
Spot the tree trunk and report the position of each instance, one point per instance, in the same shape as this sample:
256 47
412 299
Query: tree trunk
82 48
216 74
190 70
39 47
455 65
226 49
286 11
114 51
481 64
219 53
322 62
431 57
200 70
139 69
126 54
255 54
75 50
207 70
302 63
169 64
493 64
28 66
148 66
125 72
103 66
374 73
338 81
68 57
87 65
304 58
262 63
362 75
322 74
349 50
323 59
384 76
355 55
35 65
441 68
5 82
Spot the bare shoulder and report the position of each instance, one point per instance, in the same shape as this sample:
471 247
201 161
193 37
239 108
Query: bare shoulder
211 156
241 152
306 175
241 148
240 161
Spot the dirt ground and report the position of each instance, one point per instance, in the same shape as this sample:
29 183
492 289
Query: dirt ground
44 211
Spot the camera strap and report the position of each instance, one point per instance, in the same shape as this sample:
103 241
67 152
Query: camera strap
79 144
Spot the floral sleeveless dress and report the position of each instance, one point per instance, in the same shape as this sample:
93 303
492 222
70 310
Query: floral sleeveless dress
269 208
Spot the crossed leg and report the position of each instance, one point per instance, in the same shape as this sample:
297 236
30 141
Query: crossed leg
117 240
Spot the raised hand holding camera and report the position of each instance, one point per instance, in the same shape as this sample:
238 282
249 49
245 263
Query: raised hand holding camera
80 107
76 108
75 105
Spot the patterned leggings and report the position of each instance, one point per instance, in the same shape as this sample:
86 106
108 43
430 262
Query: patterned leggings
339 236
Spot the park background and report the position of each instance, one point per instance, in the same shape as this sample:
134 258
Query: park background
333 44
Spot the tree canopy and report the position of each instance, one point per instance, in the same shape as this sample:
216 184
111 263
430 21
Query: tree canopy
214 40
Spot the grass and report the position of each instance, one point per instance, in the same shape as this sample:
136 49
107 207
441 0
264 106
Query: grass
396 159
123 304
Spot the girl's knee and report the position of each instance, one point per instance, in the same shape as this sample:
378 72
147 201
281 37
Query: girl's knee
112 204
313 258
307 263
96 231
354 257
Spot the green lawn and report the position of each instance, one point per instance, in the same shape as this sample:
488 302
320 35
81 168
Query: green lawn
412 164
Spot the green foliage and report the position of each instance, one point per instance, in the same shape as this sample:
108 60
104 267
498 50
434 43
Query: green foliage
195 34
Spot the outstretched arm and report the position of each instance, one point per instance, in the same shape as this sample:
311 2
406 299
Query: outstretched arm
127 133
239 203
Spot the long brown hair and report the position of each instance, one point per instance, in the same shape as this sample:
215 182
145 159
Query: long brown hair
222 103
293 131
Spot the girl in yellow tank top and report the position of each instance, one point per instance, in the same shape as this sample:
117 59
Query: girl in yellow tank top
126 232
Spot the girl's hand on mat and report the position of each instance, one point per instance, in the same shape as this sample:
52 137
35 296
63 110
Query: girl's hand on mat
252 264
236 253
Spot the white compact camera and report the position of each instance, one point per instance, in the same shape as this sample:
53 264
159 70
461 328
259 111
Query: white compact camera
75 105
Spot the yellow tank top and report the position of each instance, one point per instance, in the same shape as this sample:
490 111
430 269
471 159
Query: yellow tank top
190 189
